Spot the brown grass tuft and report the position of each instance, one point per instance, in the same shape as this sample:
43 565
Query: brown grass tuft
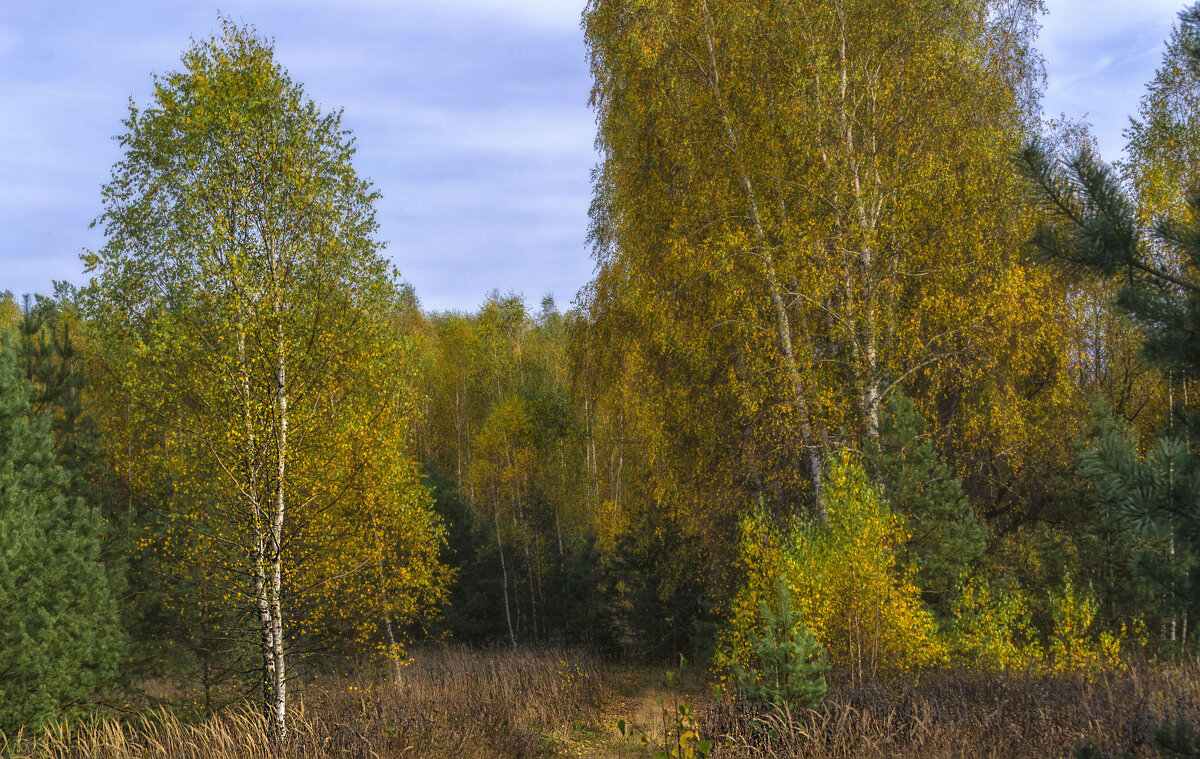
459 703
957 713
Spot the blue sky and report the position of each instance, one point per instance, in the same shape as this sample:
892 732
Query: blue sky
471 118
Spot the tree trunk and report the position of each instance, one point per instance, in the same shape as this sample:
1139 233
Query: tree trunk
783 327
504 580
532 592
262 556
393 646
278 694
394 649
266 629
865 345
562 464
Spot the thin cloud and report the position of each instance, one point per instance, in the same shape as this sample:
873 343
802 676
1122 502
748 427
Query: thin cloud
1099 54
470 116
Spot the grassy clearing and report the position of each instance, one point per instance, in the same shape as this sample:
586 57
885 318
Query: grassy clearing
957 713
456 703
471 703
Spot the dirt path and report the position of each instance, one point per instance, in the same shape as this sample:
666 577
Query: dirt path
639 699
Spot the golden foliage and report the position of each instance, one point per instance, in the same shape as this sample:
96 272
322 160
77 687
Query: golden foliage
993 630
1076 644
846 582
254 389
789 226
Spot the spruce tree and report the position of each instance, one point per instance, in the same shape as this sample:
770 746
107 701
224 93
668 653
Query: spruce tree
60 633
1093 228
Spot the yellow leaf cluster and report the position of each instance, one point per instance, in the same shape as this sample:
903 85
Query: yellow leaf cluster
846 582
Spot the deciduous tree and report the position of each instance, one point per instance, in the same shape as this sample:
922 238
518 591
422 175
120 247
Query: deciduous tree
242 322
789 223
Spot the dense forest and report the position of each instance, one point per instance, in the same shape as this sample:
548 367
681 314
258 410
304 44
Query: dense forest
881 373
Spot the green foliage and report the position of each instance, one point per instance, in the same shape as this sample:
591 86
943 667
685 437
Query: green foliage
474 613
992 627
1095 228
792 663
1127 569
845 578
1177 740
946 538
1172 740
1155 497
508 445
60 634
581 603
657 579
1150 244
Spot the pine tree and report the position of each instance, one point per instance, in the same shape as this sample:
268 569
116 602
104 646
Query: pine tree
60 634
793 662
945 536
1094 228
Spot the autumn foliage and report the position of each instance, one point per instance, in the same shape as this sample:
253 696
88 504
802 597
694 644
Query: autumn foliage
819 414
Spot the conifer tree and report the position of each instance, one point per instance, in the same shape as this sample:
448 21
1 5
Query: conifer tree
60 633
945 535
1095 228
792 662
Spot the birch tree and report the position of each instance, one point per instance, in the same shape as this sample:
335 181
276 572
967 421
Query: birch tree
810 202
240 305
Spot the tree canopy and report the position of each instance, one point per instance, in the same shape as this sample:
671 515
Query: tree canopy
253 373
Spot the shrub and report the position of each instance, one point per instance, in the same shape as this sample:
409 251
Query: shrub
1073 645
845 579
992 627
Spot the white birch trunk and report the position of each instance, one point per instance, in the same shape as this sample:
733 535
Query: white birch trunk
783 325
278 690
504 580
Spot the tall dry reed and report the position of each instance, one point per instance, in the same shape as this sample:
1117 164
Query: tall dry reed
455 703
957 713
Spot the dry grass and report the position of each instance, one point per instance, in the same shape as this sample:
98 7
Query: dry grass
470 703
459 703
967 714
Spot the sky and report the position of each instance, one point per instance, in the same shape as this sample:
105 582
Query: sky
471 119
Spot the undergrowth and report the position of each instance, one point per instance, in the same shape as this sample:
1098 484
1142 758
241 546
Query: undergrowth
471 703
454 703
966 713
